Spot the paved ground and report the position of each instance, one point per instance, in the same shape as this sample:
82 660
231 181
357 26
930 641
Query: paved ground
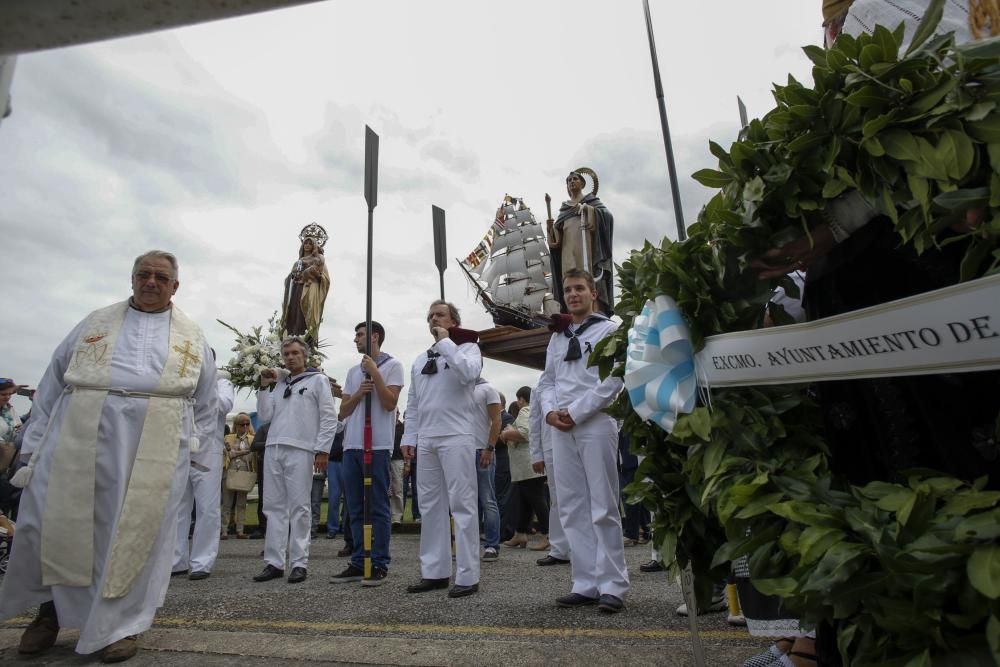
230 620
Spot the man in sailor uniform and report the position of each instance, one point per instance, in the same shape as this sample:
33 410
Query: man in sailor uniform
440 426
585 450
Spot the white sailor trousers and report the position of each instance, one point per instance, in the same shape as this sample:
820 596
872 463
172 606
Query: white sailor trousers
446 477
203 490
586 473
288 475
558 544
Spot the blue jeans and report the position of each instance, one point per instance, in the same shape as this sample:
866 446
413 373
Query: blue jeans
316 499
488 502
353 472
335 490
410 488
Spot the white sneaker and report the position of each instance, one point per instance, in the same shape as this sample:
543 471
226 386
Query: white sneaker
490 554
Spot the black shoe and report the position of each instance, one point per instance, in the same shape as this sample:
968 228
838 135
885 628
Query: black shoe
551 560
350 574
651 566
610 604
199 575
297 576
257 535
347 550
378 577
575 600
268 573
458 591
178 573
427 585
331 536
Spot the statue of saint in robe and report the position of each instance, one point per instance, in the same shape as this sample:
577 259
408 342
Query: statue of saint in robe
571 249
306 287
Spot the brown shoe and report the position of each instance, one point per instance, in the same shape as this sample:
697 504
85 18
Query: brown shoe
242 536
519 541
223 537
121 650
41 633
541 546
346 551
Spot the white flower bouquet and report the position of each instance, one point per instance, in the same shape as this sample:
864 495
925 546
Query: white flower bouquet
258 350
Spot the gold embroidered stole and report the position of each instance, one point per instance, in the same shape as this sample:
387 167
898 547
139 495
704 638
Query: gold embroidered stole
68 516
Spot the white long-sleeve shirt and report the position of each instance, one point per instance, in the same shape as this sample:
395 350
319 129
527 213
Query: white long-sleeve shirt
571 385
443 403
307 419
539 436
212 447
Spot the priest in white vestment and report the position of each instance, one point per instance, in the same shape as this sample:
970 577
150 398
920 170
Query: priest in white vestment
127 394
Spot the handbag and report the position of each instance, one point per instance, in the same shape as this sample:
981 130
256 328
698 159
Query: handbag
8 454
240 480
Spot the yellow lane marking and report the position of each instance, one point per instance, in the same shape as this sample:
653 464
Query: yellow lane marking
413 628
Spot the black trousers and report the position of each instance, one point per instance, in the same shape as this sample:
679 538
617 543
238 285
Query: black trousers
529 499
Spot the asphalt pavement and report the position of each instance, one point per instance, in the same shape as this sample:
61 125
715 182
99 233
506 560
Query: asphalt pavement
228 619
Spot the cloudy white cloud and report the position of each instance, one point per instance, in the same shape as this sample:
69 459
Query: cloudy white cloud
220 141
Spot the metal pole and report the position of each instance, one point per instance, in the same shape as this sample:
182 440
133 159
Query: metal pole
668 147
371 196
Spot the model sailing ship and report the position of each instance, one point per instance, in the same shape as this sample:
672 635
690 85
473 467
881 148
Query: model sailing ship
510 269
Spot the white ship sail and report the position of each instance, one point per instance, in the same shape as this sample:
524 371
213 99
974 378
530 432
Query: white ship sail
510 266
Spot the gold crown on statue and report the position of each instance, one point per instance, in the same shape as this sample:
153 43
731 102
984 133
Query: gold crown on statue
314 232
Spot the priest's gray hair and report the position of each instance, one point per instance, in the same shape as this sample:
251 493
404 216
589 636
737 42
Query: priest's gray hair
156 254
452 310
300 340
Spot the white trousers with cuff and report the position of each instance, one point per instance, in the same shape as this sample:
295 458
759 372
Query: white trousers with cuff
558 544
288 476
203 491
446 478
586 475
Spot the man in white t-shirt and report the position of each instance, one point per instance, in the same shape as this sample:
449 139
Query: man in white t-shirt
488 424
381 377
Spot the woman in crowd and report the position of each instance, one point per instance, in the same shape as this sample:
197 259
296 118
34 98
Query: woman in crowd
237 457
528 495
9 421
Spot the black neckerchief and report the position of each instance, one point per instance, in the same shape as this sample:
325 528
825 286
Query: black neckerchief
430 368
573 350
289 385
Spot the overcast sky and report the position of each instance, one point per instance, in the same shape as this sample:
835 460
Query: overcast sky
219 142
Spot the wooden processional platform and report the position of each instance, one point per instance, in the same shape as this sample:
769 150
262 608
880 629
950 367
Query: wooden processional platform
516 346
